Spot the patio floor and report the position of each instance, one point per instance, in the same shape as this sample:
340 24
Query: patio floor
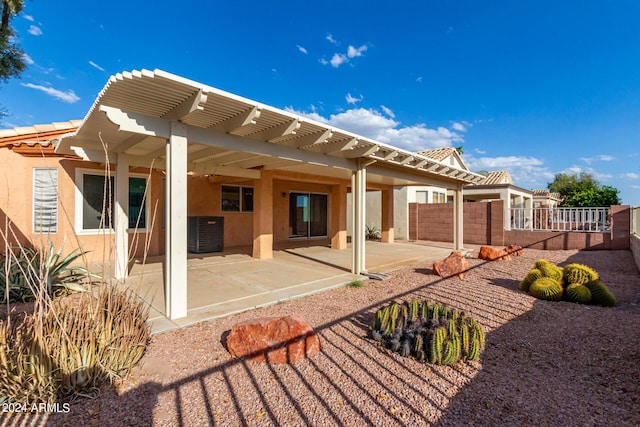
229 282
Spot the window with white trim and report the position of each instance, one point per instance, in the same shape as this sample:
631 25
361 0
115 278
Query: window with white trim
95 211
45 200
421 196
237 198
439 197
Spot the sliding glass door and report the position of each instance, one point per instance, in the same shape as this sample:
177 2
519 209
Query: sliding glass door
307 215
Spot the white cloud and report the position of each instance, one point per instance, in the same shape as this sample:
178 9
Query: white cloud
28 18
94 65
342 58
338 59
526 172
460 127
479 151
302 49
27 59
601 158
352 100
331 40
419 79
68 96
34 30
353 52
388 111
375 125
599 176
630 175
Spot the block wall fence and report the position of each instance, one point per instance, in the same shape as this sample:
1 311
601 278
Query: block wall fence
484 225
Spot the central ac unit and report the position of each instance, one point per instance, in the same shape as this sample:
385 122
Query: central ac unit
206 233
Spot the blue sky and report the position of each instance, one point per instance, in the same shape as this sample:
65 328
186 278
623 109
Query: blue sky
533 87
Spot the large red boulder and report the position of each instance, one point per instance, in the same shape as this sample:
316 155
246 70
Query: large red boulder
273 339
490 254
515 250
453 265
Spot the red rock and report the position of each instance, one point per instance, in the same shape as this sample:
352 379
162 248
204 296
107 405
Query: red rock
273 339
454 264
515 250
490 254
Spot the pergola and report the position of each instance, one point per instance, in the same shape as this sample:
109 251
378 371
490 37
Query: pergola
160 120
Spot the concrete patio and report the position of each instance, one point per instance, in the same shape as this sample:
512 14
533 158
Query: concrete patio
220 284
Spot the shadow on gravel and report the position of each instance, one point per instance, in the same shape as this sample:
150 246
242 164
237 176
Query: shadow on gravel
557 365
538 357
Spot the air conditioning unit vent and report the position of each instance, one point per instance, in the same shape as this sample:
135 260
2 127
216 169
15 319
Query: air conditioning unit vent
206 233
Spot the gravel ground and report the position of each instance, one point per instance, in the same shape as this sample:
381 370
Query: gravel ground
546 363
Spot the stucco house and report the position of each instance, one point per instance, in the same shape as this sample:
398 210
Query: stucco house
156 149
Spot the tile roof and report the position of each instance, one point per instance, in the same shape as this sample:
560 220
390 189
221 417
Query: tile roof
37 134
438 154
36 140
497 177
547 194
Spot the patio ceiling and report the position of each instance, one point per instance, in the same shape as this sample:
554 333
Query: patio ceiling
234 136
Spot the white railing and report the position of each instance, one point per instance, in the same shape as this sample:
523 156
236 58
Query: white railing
594 220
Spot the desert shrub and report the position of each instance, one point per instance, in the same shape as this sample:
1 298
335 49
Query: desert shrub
428 332
372 232
22 273
72 344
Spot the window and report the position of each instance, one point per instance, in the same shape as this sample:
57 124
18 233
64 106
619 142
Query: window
439 197
237 199
137 208
94 204
45 200
96 211
421 196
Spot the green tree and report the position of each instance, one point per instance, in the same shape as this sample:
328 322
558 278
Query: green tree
11 54
583 190
594 197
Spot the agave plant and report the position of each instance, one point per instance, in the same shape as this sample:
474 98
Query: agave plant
30 269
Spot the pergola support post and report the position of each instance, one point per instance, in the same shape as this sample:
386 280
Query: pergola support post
458 223
121 218
176 226
359 190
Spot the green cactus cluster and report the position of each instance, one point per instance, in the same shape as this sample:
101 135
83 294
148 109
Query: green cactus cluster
428 332
575 282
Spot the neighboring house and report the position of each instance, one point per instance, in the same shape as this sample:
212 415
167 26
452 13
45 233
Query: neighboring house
403 195
546 199
494 186
166 148
498 185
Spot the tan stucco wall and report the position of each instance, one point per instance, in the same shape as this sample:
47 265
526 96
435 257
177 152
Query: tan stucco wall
204 199
16 206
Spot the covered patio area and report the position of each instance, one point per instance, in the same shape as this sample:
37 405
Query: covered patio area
233 281
268 175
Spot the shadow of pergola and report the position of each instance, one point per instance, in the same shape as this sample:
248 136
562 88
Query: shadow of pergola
350 382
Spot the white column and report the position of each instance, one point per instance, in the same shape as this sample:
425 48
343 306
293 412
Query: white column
458 223
359 189
176 226
121 218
